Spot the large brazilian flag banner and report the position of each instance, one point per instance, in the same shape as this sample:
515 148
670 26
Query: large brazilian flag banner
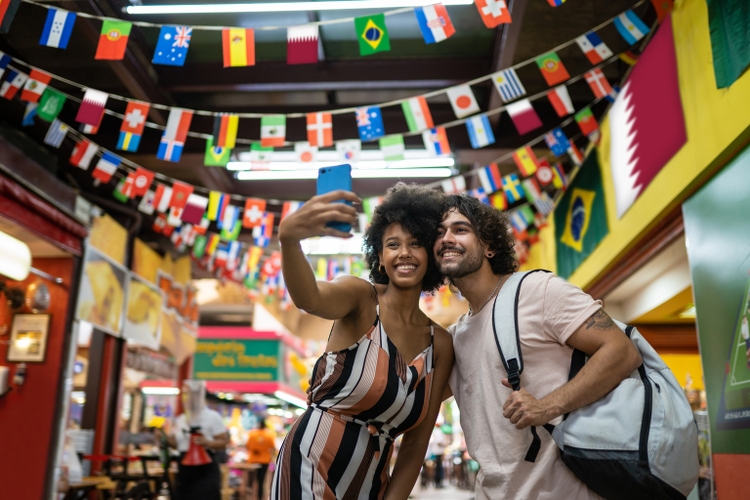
580 217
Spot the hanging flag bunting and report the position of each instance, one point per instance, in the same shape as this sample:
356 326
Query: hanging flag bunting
231 216
142 180
498 201
418 116
199 246
586 121
83 153
217 202
57 28
253 214
490 178
493 12
598 83
544 173
526 160
434 23
13 84
436 141
480 131
174 136
290 207
629 57
194 208
302 44
238 47
29 114
272 130
162 197
369 123
172 46
106 167
123 190
216 156
348 150
92 129
147 203
560 100
35 85
5 59
462 101
372 34
559 179
305 152
555 3
575 154
56 133
454 185
320 129
480 195
263 232
174 218
91 110
593 47
512 188
518 221
552 69
50 104
225 130
180 194
557 141
524 117
113 40
370 204
508 85
663 8
8 10
541 200
392 147
630 27
260 155
132 126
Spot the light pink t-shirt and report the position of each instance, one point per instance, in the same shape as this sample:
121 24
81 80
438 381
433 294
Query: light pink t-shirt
549 311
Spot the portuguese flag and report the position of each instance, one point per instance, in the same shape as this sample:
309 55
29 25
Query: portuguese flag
113 40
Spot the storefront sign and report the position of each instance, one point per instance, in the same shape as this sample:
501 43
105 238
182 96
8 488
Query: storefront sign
237 359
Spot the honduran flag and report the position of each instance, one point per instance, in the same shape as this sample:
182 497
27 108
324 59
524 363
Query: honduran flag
175 133
480 131
57 28
490 178
434 23
15 81
436 141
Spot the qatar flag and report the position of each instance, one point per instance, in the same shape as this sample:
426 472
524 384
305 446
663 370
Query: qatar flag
647 121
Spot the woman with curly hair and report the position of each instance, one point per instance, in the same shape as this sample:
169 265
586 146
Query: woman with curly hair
386 363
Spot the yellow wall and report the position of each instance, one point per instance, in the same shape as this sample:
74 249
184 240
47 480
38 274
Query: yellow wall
684 364
717 122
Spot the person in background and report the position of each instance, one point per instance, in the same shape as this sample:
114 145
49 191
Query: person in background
438 443
261 450
386 364
198 482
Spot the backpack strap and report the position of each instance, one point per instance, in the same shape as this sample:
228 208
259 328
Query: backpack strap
509 344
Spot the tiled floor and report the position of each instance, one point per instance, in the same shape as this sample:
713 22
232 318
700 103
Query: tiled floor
447 493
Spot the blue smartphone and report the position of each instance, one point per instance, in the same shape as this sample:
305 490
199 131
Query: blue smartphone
333 179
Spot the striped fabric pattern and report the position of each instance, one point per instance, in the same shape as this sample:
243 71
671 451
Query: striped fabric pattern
361 398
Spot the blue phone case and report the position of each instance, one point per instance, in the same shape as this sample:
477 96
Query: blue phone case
332 179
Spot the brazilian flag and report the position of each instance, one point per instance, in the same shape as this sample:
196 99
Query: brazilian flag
372 34
233 234
215 156
581 217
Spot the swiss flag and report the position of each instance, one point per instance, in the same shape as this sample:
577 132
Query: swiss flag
493 12
180 193
253 214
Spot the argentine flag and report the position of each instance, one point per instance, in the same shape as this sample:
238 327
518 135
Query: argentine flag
630 27
480 131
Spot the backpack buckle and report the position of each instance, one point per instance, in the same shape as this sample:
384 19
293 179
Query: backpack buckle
514 377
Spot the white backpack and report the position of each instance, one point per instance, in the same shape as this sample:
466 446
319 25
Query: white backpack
639 441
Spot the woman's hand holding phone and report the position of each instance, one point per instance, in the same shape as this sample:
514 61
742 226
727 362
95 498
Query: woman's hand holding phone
311 218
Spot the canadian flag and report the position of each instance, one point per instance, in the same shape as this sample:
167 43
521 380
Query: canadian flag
493 12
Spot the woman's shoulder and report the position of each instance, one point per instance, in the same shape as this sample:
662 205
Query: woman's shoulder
443 340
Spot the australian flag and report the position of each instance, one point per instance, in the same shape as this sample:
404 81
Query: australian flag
173 44
369 123
557 142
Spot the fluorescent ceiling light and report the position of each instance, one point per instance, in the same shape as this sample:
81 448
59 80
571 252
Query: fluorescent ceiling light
365 155
161 391
285 6
360 165
15 257
386 173
291 399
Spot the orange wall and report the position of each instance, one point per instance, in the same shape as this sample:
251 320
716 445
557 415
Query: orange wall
28 413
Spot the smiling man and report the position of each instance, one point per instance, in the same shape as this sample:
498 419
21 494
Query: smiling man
474 250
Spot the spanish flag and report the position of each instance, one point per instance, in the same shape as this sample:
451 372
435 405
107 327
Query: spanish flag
239 47
525 160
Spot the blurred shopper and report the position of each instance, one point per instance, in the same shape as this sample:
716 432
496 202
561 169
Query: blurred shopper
369 387
438 443
474 250
261 449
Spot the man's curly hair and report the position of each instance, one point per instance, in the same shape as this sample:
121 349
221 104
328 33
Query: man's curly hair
419 210
492 227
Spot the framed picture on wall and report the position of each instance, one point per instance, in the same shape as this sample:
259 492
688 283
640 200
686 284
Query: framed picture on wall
28 338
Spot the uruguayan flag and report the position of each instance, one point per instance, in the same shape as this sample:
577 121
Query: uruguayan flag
508 85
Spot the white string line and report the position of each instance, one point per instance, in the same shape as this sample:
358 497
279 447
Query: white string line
450 124
339 110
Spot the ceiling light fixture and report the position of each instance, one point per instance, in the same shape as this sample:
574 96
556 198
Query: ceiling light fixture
283 6
360 165
386 173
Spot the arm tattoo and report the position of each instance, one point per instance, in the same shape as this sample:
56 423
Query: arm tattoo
600 321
